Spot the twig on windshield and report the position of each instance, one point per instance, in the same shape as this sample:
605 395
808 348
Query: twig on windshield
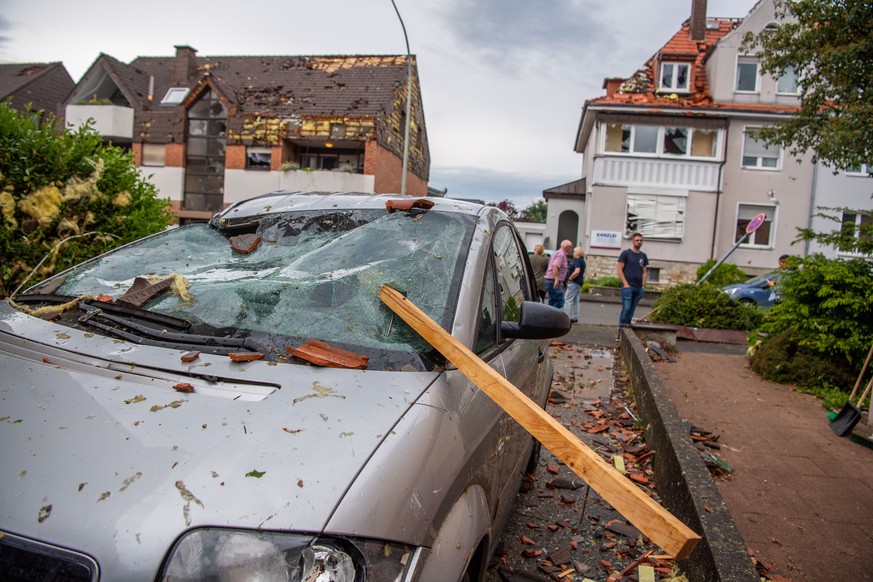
54 251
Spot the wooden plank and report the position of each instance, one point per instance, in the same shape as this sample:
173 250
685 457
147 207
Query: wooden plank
661 526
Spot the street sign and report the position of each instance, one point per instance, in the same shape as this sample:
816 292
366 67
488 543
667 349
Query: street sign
756 223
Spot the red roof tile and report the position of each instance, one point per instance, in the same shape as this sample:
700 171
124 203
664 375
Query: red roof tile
641 87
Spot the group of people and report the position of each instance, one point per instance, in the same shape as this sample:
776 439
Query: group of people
560 277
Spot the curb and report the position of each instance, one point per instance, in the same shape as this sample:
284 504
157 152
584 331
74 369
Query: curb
684 483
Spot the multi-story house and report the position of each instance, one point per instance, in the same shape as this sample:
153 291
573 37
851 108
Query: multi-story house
210 131
43 86
670 153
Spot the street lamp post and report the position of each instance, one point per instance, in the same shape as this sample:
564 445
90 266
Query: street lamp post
408 102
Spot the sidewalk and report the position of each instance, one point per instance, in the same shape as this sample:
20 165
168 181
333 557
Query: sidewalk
801 497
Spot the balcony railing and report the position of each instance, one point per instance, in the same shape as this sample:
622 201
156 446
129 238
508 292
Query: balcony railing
111 121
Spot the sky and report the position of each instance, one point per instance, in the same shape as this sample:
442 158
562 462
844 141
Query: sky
503 81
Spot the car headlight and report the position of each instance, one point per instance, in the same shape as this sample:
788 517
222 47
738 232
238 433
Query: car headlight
731 291
225 555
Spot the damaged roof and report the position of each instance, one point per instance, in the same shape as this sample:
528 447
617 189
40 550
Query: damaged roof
640 90
44 85
278 87
283 85
641 87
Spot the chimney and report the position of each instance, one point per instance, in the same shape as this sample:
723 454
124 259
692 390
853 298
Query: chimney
185 64
698 20
612 85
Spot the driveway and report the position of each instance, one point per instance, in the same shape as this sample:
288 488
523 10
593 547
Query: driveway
801 497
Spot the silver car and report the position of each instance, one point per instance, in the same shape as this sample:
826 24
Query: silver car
231 401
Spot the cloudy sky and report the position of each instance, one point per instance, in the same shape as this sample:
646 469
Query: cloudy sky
503 81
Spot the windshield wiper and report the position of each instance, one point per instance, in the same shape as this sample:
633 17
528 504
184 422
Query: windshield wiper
145 335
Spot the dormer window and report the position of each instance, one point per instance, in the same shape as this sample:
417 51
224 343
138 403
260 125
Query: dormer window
675 76
174 96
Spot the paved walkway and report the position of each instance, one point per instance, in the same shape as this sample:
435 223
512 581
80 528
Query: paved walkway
802 498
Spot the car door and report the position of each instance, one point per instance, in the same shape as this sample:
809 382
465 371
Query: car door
519 361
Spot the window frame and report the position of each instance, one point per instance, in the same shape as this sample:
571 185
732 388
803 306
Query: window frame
770 210
660 142
758 164
862 171
151 160
259 150
660 198
674 75
784 75
748 60
857 221
175 95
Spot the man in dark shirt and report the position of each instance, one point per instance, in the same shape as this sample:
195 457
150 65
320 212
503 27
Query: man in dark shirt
632 266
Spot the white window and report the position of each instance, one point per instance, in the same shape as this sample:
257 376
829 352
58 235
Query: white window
787 83
763 235
638 139
645 139
175 95
656 216
852 225
747 75
758 155
704 143
258 158
862 170
675 76
661 141
676 141
154 154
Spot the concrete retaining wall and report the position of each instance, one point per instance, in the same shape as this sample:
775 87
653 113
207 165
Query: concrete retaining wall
684 483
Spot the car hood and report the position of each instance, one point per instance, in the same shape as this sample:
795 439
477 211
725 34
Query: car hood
96 439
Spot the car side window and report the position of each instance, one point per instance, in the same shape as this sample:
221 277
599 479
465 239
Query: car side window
486 327
512 281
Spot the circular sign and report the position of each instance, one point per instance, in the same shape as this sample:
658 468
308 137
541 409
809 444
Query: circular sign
756 223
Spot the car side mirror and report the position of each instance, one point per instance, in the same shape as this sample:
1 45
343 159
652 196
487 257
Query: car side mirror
537 321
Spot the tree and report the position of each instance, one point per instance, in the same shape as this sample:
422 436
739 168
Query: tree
829 45
508 207
536 212
850 238
65 197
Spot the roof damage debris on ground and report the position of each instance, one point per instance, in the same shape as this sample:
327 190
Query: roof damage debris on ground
560 529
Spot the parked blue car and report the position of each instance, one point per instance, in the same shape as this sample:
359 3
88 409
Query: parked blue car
760 290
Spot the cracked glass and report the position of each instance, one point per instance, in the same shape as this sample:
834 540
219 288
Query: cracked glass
315 274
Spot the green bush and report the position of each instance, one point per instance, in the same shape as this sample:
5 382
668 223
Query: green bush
827 306
785 357
600 282
725 274
66 185
704 306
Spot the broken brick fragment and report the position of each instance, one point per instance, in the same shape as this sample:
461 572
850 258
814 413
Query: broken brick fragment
105 298
408 204
244 243
184 387
323 354
245 356
141 292
190 357
527 540
560 555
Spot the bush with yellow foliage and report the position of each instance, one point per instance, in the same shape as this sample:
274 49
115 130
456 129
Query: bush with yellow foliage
65 196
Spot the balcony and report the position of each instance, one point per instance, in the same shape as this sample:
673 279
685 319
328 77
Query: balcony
113 122
680 174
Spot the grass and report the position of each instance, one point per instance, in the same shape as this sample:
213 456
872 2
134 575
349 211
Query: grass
832 398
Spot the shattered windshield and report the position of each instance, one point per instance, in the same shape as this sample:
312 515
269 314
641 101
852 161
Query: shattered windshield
312 275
